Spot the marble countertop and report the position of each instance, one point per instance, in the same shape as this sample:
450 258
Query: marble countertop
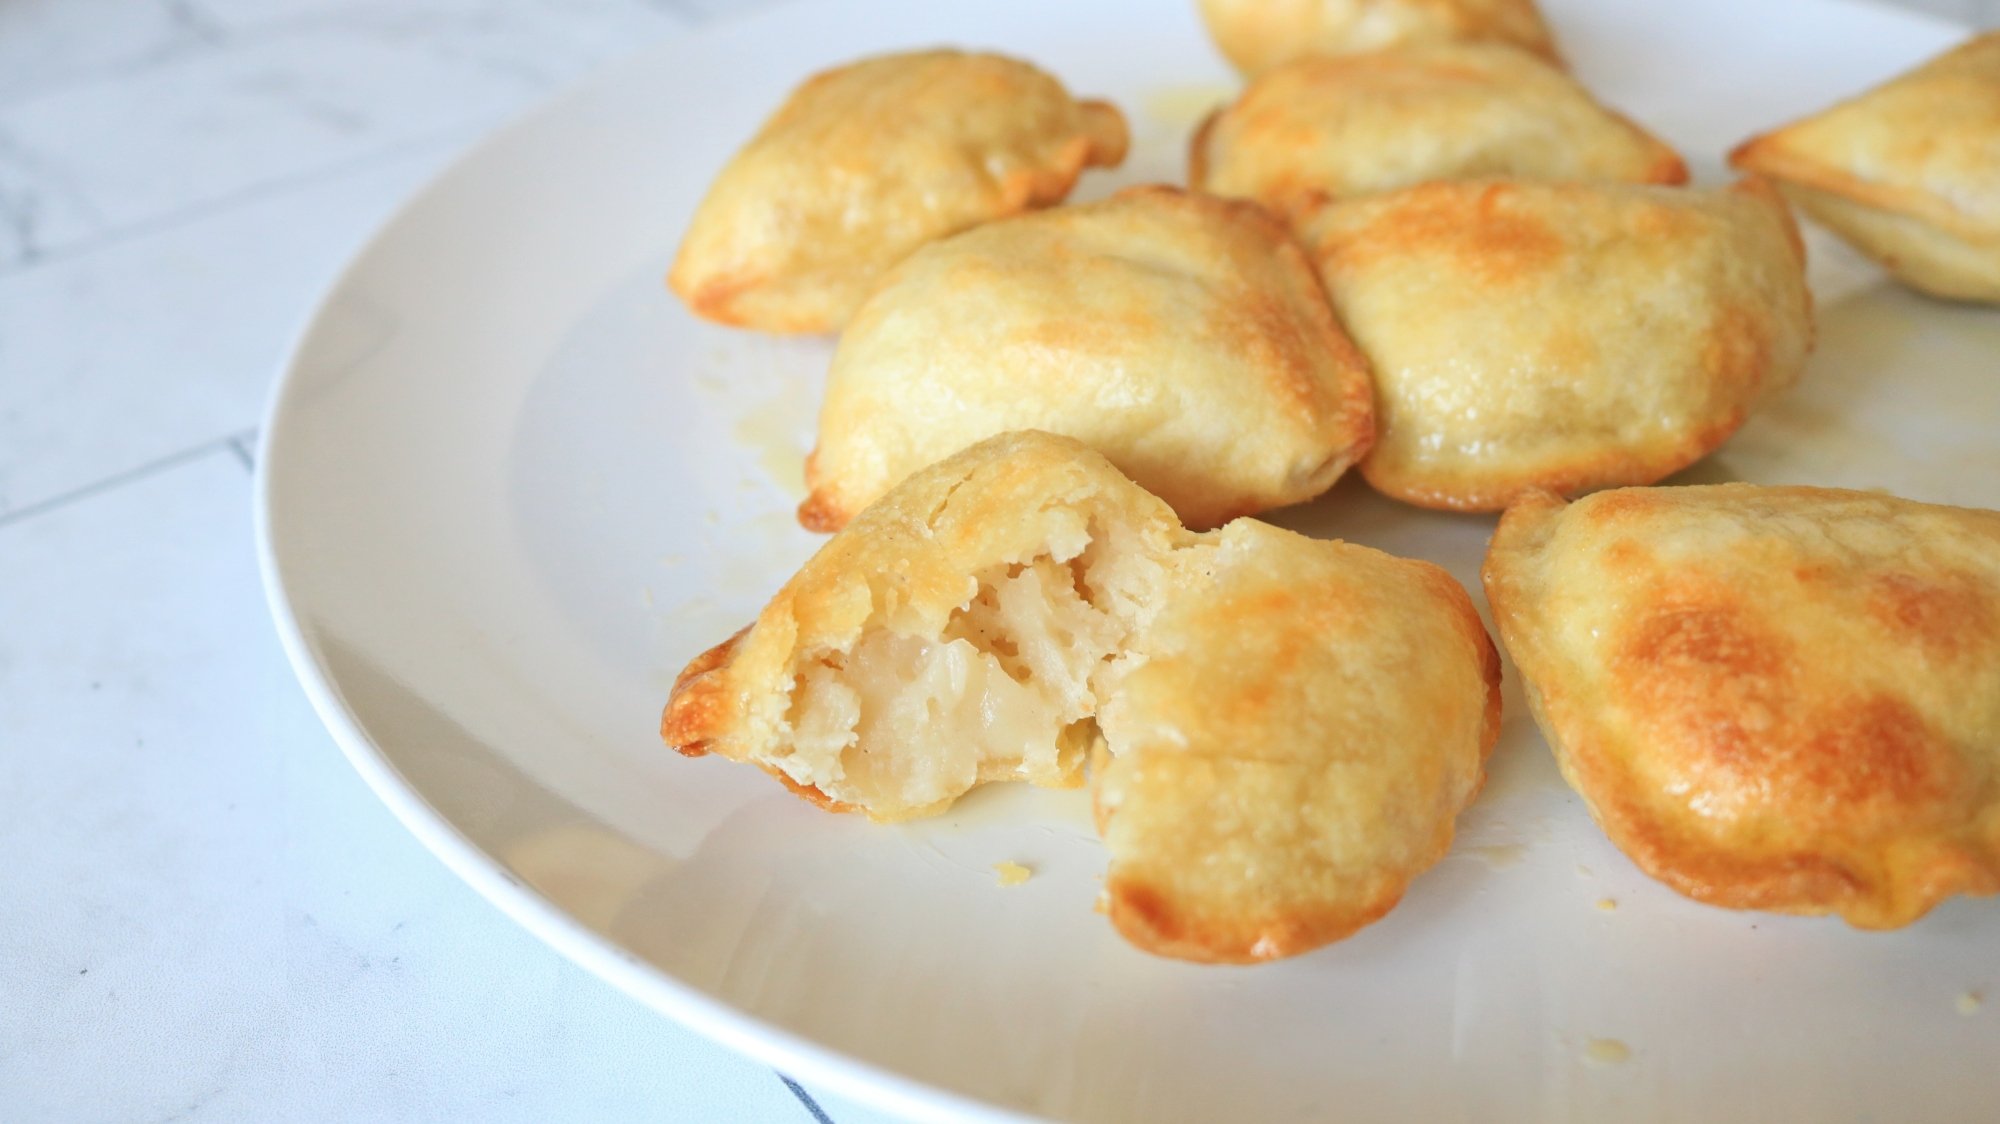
205 914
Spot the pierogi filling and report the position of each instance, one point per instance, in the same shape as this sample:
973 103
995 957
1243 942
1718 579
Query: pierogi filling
1007 691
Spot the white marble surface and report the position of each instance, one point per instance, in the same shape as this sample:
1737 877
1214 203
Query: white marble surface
204 914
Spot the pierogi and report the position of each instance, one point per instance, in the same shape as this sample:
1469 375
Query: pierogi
1775 698
1568 336
1183 336
1348 125
1909 172
1285 729
866 162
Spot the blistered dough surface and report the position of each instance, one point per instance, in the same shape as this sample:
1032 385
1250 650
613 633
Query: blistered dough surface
1778 698
868 161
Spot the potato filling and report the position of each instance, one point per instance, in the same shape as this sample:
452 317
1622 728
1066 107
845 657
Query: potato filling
1004 693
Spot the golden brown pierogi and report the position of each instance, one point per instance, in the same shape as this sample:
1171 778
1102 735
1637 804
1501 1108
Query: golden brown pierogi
1776 698
1257 35
868 161
1353 124
1908 172
1183 336
1566 336
1285 728
1301 725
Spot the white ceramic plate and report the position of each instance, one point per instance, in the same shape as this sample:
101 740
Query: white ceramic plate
509 486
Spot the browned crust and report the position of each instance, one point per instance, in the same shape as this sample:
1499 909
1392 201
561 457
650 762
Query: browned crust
715 300
1773 154
1760 187
1356 408
1245 33
1273 308
1109 135
1102 139
811 794
1198 149
1148 919
1474 631
820 512
1544 43
698 704
1353 412
1611 469
1803 883
1800 882
1667 167
1768 155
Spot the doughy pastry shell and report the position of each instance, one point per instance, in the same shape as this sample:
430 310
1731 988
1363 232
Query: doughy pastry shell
1775 698
866 162
1909 172
1566 336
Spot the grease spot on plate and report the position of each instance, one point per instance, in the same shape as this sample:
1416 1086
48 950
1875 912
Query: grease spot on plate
1606 1051
774 430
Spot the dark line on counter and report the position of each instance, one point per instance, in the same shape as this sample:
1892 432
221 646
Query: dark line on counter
805 1098
115 480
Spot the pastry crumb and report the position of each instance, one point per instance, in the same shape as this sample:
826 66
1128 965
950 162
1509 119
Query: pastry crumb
1970 1002
1583 870
1607 904
1606 1051
1012 873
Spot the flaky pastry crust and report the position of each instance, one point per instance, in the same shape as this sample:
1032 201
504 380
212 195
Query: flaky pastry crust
1286 728
1774 698
1566 336
1301 728
868 161
1257 35
1908 172
1183 336
1348 125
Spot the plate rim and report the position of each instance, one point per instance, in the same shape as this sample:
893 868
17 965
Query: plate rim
792 1055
